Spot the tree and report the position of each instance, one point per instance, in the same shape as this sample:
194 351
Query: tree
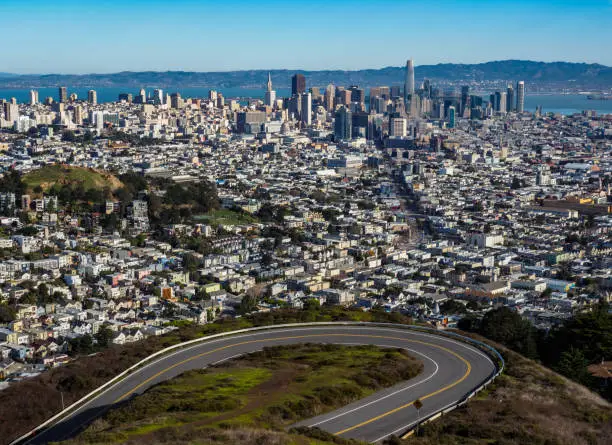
82 345
452 307
516 183
469 323
7 313
565 271
248 304
104 337
473 305
507 327
573 365
312 304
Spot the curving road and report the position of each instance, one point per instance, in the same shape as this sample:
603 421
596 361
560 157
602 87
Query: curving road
452 370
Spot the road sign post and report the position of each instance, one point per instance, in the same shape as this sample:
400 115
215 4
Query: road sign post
418 405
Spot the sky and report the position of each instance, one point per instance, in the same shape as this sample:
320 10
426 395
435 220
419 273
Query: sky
105 36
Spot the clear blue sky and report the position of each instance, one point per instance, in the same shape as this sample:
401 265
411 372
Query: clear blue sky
101 36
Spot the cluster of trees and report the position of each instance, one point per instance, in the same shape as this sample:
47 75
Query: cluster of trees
272 213
132 139
40 295
85 138
76 192
568 349
181 201
88 344
200 196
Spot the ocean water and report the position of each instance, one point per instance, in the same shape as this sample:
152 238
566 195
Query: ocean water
556 103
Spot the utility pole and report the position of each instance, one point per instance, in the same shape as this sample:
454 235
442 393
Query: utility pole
62 396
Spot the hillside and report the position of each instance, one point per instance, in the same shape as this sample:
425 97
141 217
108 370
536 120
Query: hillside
579 74
253 399
526 390
528 404
56 176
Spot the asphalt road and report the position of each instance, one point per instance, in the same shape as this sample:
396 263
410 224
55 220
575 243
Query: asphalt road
451 370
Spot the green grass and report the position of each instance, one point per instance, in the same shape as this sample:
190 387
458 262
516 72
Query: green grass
56 174
253 399
226 217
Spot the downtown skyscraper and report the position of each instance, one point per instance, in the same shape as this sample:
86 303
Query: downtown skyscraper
270 96
520 97
409 82
409 86
298 84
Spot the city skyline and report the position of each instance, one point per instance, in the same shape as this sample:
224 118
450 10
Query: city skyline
198 46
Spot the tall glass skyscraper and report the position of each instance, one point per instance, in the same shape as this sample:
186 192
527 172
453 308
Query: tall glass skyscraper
520 97
409 85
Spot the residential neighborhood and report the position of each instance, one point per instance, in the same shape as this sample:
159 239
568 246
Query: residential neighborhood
127 219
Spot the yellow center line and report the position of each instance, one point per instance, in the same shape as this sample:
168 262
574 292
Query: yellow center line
399 408
373 419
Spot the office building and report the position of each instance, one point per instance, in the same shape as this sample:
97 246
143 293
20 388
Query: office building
11 111
328 100
409 82
306 109
520 97
465 99
250 121
343 124
343 96
397 127
142 97
176 101
294 106
270 96
316 93
33 97
78 115
502 102
63 95
357 94
298 84
499 102
451 117
126 97
158 96
510 101
92 97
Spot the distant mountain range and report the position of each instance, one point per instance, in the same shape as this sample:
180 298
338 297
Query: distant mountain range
563 74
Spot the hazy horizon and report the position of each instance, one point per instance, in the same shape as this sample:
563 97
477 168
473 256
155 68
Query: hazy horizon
297 69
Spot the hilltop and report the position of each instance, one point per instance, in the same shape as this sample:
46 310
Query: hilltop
562 73
56 176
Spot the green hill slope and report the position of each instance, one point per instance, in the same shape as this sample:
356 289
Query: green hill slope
58 175
253 399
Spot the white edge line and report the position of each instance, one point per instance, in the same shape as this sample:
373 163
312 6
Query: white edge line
262 330
390 394
406 427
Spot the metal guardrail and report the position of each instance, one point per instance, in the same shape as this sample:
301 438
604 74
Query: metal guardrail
500 365
164 352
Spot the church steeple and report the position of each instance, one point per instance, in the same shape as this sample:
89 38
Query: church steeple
269 82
